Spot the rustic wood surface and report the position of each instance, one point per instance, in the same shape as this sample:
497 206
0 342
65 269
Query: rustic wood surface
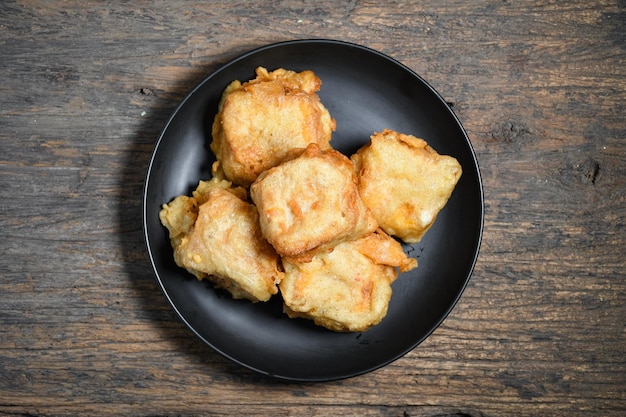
86 86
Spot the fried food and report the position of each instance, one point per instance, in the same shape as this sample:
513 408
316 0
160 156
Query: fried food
262 120
286 212
348 288
216 236
404 182
311 202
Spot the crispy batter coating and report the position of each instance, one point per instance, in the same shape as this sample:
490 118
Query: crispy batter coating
348 288
404 182
216 236
320 226
261 121
311 202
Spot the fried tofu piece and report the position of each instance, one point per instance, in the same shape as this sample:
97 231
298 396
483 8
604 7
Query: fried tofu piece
311 202
216 236
262 120
348 288
404 182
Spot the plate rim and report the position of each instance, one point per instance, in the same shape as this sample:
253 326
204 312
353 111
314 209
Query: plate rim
321 41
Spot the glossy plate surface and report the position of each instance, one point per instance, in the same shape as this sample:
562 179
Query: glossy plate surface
365 91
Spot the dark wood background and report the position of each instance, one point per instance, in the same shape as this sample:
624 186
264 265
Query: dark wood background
85 88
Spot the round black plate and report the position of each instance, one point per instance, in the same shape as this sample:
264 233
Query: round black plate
365 91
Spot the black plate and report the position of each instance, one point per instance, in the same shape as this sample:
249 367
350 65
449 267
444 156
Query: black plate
365 91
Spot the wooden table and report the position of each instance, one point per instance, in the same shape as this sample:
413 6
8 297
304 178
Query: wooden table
86 87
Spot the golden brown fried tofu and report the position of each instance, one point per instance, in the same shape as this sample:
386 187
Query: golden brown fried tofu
348 288
404 182
261 121
216 236
311 202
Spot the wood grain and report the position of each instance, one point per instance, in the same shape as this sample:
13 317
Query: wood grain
540 87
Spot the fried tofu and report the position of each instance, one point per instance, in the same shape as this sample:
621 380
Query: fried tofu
216 236
404 182
286 212
348 288
311 202
262 120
